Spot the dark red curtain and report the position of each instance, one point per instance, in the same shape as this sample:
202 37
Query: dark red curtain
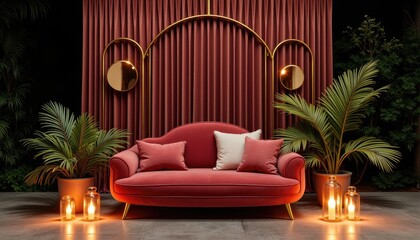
206 68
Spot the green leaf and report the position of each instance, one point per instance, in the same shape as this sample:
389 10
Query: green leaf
323 132
71 147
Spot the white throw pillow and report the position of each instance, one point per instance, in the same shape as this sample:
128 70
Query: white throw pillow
230 148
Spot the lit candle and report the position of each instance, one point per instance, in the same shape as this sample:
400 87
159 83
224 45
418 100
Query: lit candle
350 210
68 212
331 209
91 212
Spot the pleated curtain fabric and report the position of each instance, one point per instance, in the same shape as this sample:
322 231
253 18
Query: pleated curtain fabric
203 69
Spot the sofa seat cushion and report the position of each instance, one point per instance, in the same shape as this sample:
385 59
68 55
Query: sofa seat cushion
203 182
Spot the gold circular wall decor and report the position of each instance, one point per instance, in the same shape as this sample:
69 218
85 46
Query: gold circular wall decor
122 76
292 77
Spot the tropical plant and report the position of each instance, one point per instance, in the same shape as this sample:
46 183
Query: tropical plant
15 41
12 179
325 132
397 180
70 146
394 118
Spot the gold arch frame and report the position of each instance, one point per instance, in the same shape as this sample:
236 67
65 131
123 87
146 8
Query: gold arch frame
300 42
147 52
207 16
140 49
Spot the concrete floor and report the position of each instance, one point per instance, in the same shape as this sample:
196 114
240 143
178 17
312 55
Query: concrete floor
391 215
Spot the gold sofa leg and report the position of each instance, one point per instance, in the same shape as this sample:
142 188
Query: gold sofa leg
127 206
289 211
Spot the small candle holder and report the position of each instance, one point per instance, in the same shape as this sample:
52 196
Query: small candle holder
91 205
67 208
352 204
331 201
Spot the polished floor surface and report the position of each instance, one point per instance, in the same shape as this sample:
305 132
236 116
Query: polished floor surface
390 215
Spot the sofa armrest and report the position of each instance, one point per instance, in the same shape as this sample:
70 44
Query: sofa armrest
123 164
291 165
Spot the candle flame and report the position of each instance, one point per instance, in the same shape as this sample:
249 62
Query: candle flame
331 209
91 211
68 211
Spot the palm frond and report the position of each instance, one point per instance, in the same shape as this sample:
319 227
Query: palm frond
85 131
312 159
4 126
50 148
304 140
14 46
321 128
45 175
378 152
57 120
71 147
13 10
109 142
297 105
313 116
346 100
298 139
294 139
17 101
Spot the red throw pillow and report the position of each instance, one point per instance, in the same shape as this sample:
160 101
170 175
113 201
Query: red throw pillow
155 157
260 156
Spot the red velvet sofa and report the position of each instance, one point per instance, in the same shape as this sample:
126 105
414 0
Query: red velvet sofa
200 185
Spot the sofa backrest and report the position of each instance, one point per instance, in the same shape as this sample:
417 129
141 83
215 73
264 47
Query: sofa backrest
200 150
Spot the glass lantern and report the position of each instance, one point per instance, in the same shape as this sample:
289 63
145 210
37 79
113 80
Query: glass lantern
331 200
352 204
67 208
91 205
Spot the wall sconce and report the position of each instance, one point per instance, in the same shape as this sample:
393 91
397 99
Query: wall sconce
291 77
67 208
352 204
91 205
331 201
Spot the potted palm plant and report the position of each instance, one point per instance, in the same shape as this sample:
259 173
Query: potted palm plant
324 132
73 149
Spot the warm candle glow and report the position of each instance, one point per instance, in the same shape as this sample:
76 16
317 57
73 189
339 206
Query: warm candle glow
91 212
331 209
68 211
331 200
67 208
351 210
91 205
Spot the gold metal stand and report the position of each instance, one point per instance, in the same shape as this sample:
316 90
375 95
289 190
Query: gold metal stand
127 206
289 211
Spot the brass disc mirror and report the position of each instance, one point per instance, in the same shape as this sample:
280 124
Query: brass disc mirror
122 76
291 77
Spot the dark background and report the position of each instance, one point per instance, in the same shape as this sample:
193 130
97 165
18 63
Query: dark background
58 68
57 72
